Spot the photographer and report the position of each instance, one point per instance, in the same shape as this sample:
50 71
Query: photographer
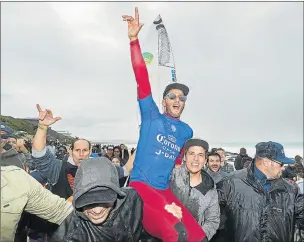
17 147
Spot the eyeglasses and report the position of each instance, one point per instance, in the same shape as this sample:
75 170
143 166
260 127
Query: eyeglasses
281 164
172 96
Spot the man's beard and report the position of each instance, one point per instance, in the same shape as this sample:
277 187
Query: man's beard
215 168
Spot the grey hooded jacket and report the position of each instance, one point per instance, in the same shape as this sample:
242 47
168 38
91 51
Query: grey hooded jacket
204 205
125 220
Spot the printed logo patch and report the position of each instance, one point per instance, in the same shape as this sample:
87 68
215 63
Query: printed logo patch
148 57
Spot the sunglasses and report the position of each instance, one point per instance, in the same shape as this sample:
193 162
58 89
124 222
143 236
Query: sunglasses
281 164
172 96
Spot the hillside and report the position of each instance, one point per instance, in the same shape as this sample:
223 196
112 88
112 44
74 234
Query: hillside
30 128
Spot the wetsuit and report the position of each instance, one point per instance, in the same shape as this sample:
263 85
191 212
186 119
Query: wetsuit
160 142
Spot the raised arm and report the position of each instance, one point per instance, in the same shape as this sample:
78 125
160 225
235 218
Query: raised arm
43 159
148 108
127 168
45 120
138 63
140 70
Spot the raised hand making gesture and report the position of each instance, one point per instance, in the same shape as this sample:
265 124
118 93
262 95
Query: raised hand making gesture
46 117
133 25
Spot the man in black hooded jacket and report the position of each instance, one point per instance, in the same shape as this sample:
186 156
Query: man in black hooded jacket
259 205
103 210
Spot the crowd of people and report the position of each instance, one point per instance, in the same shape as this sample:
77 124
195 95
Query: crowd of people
170 188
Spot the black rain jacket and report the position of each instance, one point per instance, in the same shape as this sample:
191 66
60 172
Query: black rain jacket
252 214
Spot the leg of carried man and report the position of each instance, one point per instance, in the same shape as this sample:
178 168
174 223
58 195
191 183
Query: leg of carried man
195 233
156 220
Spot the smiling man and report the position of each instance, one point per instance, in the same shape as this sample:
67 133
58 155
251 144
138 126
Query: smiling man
214 167
160 142
103 210
195 188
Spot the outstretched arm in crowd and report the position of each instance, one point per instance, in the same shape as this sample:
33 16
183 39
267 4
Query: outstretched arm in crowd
43 203
43 159
130 162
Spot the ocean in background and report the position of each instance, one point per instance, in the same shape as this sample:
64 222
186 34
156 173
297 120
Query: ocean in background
291 148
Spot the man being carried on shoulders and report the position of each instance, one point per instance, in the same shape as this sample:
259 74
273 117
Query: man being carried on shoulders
160 142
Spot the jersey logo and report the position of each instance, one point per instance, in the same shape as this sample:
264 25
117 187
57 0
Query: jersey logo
172 138
173 128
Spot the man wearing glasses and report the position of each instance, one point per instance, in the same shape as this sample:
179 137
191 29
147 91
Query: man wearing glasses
259 205
161 139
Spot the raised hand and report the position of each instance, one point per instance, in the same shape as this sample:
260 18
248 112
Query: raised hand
46 117
20 143
133 25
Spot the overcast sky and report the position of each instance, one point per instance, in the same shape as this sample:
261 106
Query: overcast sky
243 63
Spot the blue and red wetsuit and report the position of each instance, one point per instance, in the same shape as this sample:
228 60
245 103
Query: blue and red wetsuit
160 142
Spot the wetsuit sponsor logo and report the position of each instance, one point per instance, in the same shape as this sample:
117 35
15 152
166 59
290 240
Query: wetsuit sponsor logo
169 149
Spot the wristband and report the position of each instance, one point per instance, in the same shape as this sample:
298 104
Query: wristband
42 127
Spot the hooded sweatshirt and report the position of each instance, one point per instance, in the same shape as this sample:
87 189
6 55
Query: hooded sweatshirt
124 221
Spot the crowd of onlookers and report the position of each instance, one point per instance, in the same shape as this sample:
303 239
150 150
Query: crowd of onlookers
54 166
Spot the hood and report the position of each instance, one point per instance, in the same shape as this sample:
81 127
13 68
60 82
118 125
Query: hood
10 158
95 173
208 182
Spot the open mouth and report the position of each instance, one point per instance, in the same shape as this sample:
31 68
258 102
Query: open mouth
176 106
194 164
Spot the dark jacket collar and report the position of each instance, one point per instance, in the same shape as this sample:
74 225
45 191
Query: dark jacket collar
207 181
257 180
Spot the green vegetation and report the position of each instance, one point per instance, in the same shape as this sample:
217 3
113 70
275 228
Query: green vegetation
18 124
21 125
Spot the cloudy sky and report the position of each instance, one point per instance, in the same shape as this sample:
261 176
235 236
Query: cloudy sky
242 61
